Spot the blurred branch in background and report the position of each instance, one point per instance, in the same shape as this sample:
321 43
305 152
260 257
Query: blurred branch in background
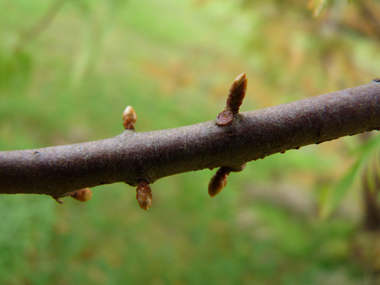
326 49
37 28
368 19
97 26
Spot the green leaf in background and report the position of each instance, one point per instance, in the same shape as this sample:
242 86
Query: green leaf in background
318 7
15 71
330 196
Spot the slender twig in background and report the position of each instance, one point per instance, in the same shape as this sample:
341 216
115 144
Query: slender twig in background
369 14
35 30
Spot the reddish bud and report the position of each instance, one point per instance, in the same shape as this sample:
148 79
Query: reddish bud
224 118
144 195
129 118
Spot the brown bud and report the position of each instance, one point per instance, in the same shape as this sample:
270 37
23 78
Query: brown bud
218 181
237 93
83 195
144 195
234 100
129 118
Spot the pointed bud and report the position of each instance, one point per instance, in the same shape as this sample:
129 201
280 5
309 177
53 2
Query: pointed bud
82 195
218 181
144 195
237 93
129 118
234 100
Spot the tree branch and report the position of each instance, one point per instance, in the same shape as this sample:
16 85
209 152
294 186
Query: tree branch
134 157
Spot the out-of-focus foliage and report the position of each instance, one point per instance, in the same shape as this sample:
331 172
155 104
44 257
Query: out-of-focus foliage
338 47
69 68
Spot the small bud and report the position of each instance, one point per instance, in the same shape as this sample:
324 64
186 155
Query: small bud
218 181
144 195
224 118
82 195
129 118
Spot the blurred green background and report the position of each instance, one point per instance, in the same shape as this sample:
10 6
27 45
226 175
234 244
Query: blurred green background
69 68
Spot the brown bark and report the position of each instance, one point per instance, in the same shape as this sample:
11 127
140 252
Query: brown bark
133 157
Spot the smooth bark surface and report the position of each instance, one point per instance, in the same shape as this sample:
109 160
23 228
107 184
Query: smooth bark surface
132 156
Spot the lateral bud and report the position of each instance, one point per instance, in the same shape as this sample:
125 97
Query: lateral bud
129 118
82 195
237 93
218 181
235 98
144 195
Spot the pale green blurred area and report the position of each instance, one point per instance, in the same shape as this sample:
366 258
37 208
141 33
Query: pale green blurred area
174 62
